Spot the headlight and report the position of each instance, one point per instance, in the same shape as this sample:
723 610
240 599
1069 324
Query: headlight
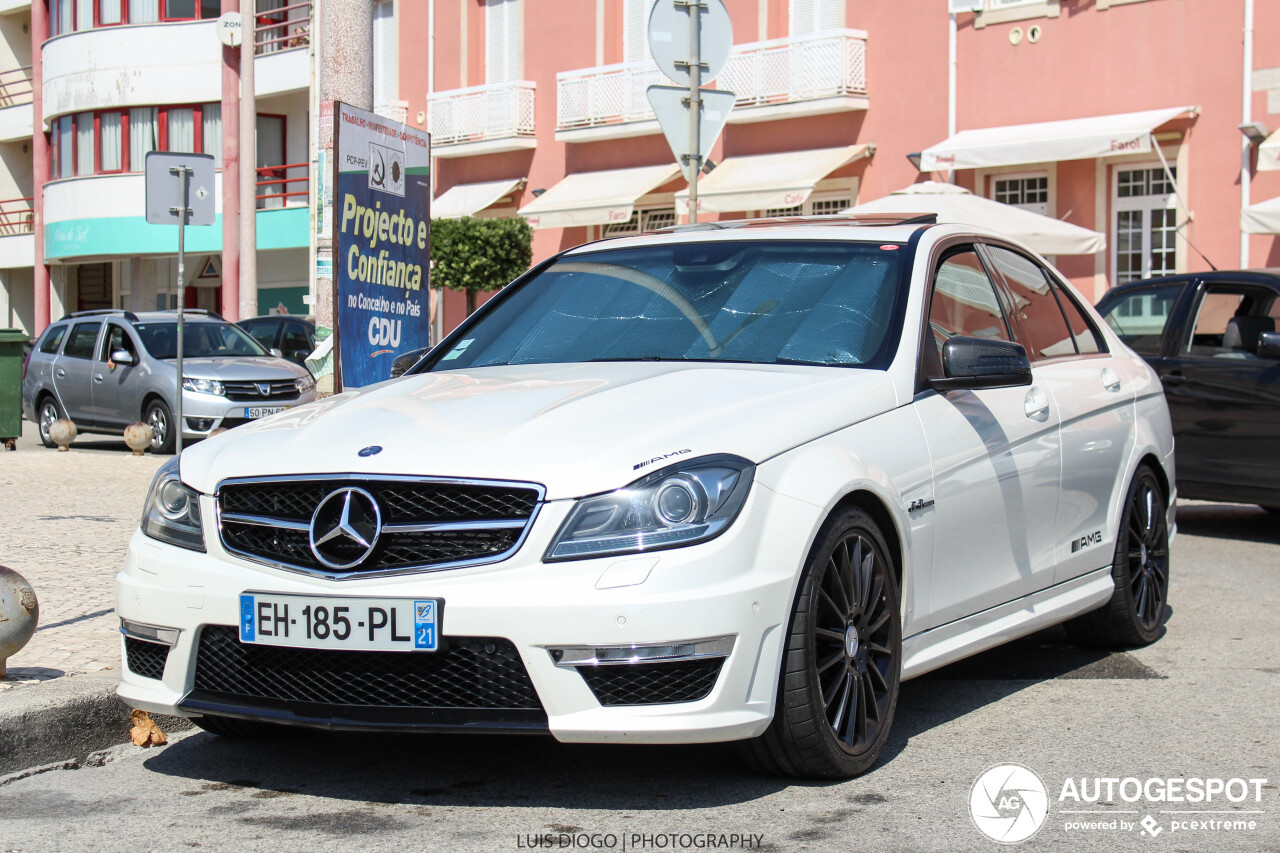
172 513
686 503
202 386
304 384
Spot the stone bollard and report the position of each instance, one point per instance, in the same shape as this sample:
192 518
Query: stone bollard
138 437
19 613
63 432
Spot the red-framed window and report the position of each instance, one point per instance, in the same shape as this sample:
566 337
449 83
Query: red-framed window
66 16
107 142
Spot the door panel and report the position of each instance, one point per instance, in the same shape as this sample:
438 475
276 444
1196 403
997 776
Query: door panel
115 386
72 372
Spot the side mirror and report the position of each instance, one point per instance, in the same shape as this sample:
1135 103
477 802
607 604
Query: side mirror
123 356
1269 345
403 362
277 353
981 363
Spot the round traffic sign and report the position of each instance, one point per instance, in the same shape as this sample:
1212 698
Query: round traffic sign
670 44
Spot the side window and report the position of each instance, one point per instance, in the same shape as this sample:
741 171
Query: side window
83 337
116 339
262 331
295 339
53 339
964 301
1043 329
1139 318
1087 339
1212 314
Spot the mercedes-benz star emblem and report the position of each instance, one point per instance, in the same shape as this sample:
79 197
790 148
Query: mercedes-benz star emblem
345 528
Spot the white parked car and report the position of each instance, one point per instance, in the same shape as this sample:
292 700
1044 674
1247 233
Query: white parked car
734 481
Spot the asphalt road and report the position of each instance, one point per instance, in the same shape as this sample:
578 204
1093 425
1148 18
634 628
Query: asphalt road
1202 702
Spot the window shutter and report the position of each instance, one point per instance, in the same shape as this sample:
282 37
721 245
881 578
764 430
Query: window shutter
811 16
384 52
635 45
502 40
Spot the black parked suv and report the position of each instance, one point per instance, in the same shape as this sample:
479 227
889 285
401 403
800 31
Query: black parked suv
1213 339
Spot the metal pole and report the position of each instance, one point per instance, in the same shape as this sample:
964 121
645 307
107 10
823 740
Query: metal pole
229 297
951 87
248 224
695 8
184 176
1246 116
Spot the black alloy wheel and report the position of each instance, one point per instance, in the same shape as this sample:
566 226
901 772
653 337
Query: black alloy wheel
842 666
1135 614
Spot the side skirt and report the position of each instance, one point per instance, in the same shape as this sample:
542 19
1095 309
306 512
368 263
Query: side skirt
948 643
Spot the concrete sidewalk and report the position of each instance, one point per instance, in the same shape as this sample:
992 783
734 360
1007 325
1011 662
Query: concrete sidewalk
65 523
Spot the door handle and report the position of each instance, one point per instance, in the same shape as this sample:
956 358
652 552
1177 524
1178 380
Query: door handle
1173 379
60 372
1109 379
1036 405
97 377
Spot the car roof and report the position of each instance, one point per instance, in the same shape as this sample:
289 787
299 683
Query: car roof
862 228
1262 274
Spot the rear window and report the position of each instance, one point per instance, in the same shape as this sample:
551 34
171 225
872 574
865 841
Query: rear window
1139 318
52 339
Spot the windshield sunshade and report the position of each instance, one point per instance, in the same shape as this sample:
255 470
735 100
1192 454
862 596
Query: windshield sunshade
812 302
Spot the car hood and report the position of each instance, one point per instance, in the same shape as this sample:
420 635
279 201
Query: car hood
577 429
239 368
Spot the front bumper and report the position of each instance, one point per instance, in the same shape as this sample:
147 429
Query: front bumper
203 413
740 585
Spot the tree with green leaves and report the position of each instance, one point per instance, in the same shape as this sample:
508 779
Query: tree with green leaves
475 255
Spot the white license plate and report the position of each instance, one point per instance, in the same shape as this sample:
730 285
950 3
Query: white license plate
262 411
332 622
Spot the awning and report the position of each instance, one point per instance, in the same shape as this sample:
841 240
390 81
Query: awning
955 204
1049 141
469 199
1269 153
763 181
1261 218
596 198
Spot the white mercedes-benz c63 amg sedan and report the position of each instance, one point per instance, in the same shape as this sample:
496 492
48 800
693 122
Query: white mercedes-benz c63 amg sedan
731 481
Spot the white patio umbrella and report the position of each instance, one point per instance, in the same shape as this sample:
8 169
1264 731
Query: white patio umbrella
957 205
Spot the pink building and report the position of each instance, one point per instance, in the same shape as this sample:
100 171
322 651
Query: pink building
1121 116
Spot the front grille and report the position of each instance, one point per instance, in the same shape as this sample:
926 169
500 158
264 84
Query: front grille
468 673
249 392
144 658
480 522
653 683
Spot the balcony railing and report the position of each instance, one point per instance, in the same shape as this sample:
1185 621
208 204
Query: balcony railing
17 216
287 185
15 87
804 68
828 64
479 113
606 95
281 27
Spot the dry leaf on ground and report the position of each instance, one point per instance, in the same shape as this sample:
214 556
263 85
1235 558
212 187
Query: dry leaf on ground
145 732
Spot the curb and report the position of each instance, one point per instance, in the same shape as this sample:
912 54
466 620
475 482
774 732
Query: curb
65 719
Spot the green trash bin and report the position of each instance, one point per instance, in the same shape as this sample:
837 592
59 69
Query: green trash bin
11 341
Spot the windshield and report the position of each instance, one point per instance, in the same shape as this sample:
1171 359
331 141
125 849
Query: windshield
783 302
199 340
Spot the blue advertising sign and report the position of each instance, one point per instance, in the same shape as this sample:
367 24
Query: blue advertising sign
382 237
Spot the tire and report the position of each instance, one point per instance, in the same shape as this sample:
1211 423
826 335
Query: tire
836 698
1135 614
47 412
160 419
237 729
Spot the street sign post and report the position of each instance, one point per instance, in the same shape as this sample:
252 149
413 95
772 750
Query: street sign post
179 191
691 51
